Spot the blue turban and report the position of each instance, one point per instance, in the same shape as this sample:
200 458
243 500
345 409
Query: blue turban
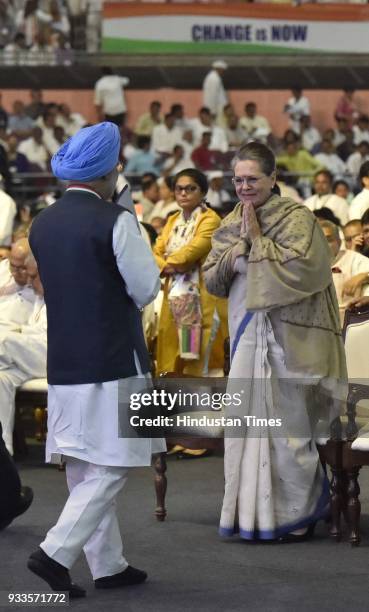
88 155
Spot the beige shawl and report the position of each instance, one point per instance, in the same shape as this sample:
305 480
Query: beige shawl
289 276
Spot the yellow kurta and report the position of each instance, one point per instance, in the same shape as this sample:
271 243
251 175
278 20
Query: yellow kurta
195 251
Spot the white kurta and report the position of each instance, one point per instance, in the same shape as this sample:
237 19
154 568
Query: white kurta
214 94
359 205
336 204
83 420
22 357
16 301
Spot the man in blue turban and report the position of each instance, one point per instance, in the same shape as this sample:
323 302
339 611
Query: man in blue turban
97 274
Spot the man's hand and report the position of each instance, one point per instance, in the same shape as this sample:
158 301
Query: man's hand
355 283
359 303
357 243
250 228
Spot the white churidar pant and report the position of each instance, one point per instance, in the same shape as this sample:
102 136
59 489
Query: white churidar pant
89 519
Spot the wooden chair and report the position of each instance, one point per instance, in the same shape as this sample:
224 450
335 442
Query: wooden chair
32 395
355 449
185 435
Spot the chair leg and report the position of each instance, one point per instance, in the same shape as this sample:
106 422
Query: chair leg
160 466
353 505
336 503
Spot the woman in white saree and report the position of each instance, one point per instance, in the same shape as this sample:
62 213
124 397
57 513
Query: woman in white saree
269 256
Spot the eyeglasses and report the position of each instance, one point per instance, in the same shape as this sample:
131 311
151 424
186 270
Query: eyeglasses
186 188
239 181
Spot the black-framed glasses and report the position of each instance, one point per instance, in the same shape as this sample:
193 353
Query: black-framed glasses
186 188
251 181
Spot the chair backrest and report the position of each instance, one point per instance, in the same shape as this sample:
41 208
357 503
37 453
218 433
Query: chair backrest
356 336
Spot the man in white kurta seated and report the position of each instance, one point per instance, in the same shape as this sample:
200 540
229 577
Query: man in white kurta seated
16 296
22 354
323 184
350 269
360 203
97 273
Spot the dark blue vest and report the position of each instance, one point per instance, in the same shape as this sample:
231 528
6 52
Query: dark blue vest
93 324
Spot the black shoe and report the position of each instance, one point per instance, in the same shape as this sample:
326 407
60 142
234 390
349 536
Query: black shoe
291 538
25 500
129 576
55 574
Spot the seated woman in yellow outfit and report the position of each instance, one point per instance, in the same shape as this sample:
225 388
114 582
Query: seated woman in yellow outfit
187 322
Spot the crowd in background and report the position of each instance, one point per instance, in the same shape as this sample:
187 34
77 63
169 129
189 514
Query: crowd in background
46 32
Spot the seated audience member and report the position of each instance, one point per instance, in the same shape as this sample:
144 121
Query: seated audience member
350 270
16 297
150 196
340 131
14 499
342 189
17 162
235 133
347 147
47 125
70 122
177 162
356 160
297 106
22 354
354 238
205 123
19 122
165 136
144 160
326 214
37 106
167 203
328 158
365 225
217 196
360 203
324 197
309 135
16 52
299 162
146 122
180 120
347 107
361 129
203 156
8 210
35 151
256 126
228 111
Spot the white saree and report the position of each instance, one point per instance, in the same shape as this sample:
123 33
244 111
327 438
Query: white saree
275 484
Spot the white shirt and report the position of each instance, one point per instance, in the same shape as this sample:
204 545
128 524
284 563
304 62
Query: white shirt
360 135
214 94
257 126
217 198
336 204
8 210
109 94
164 140
16 301
359 205
218 140
346 265
35 153
83 419
310 138
72 124
332 162
296 109
354 162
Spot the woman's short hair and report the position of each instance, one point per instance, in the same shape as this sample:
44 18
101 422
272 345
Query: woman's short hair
258 152
198 177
